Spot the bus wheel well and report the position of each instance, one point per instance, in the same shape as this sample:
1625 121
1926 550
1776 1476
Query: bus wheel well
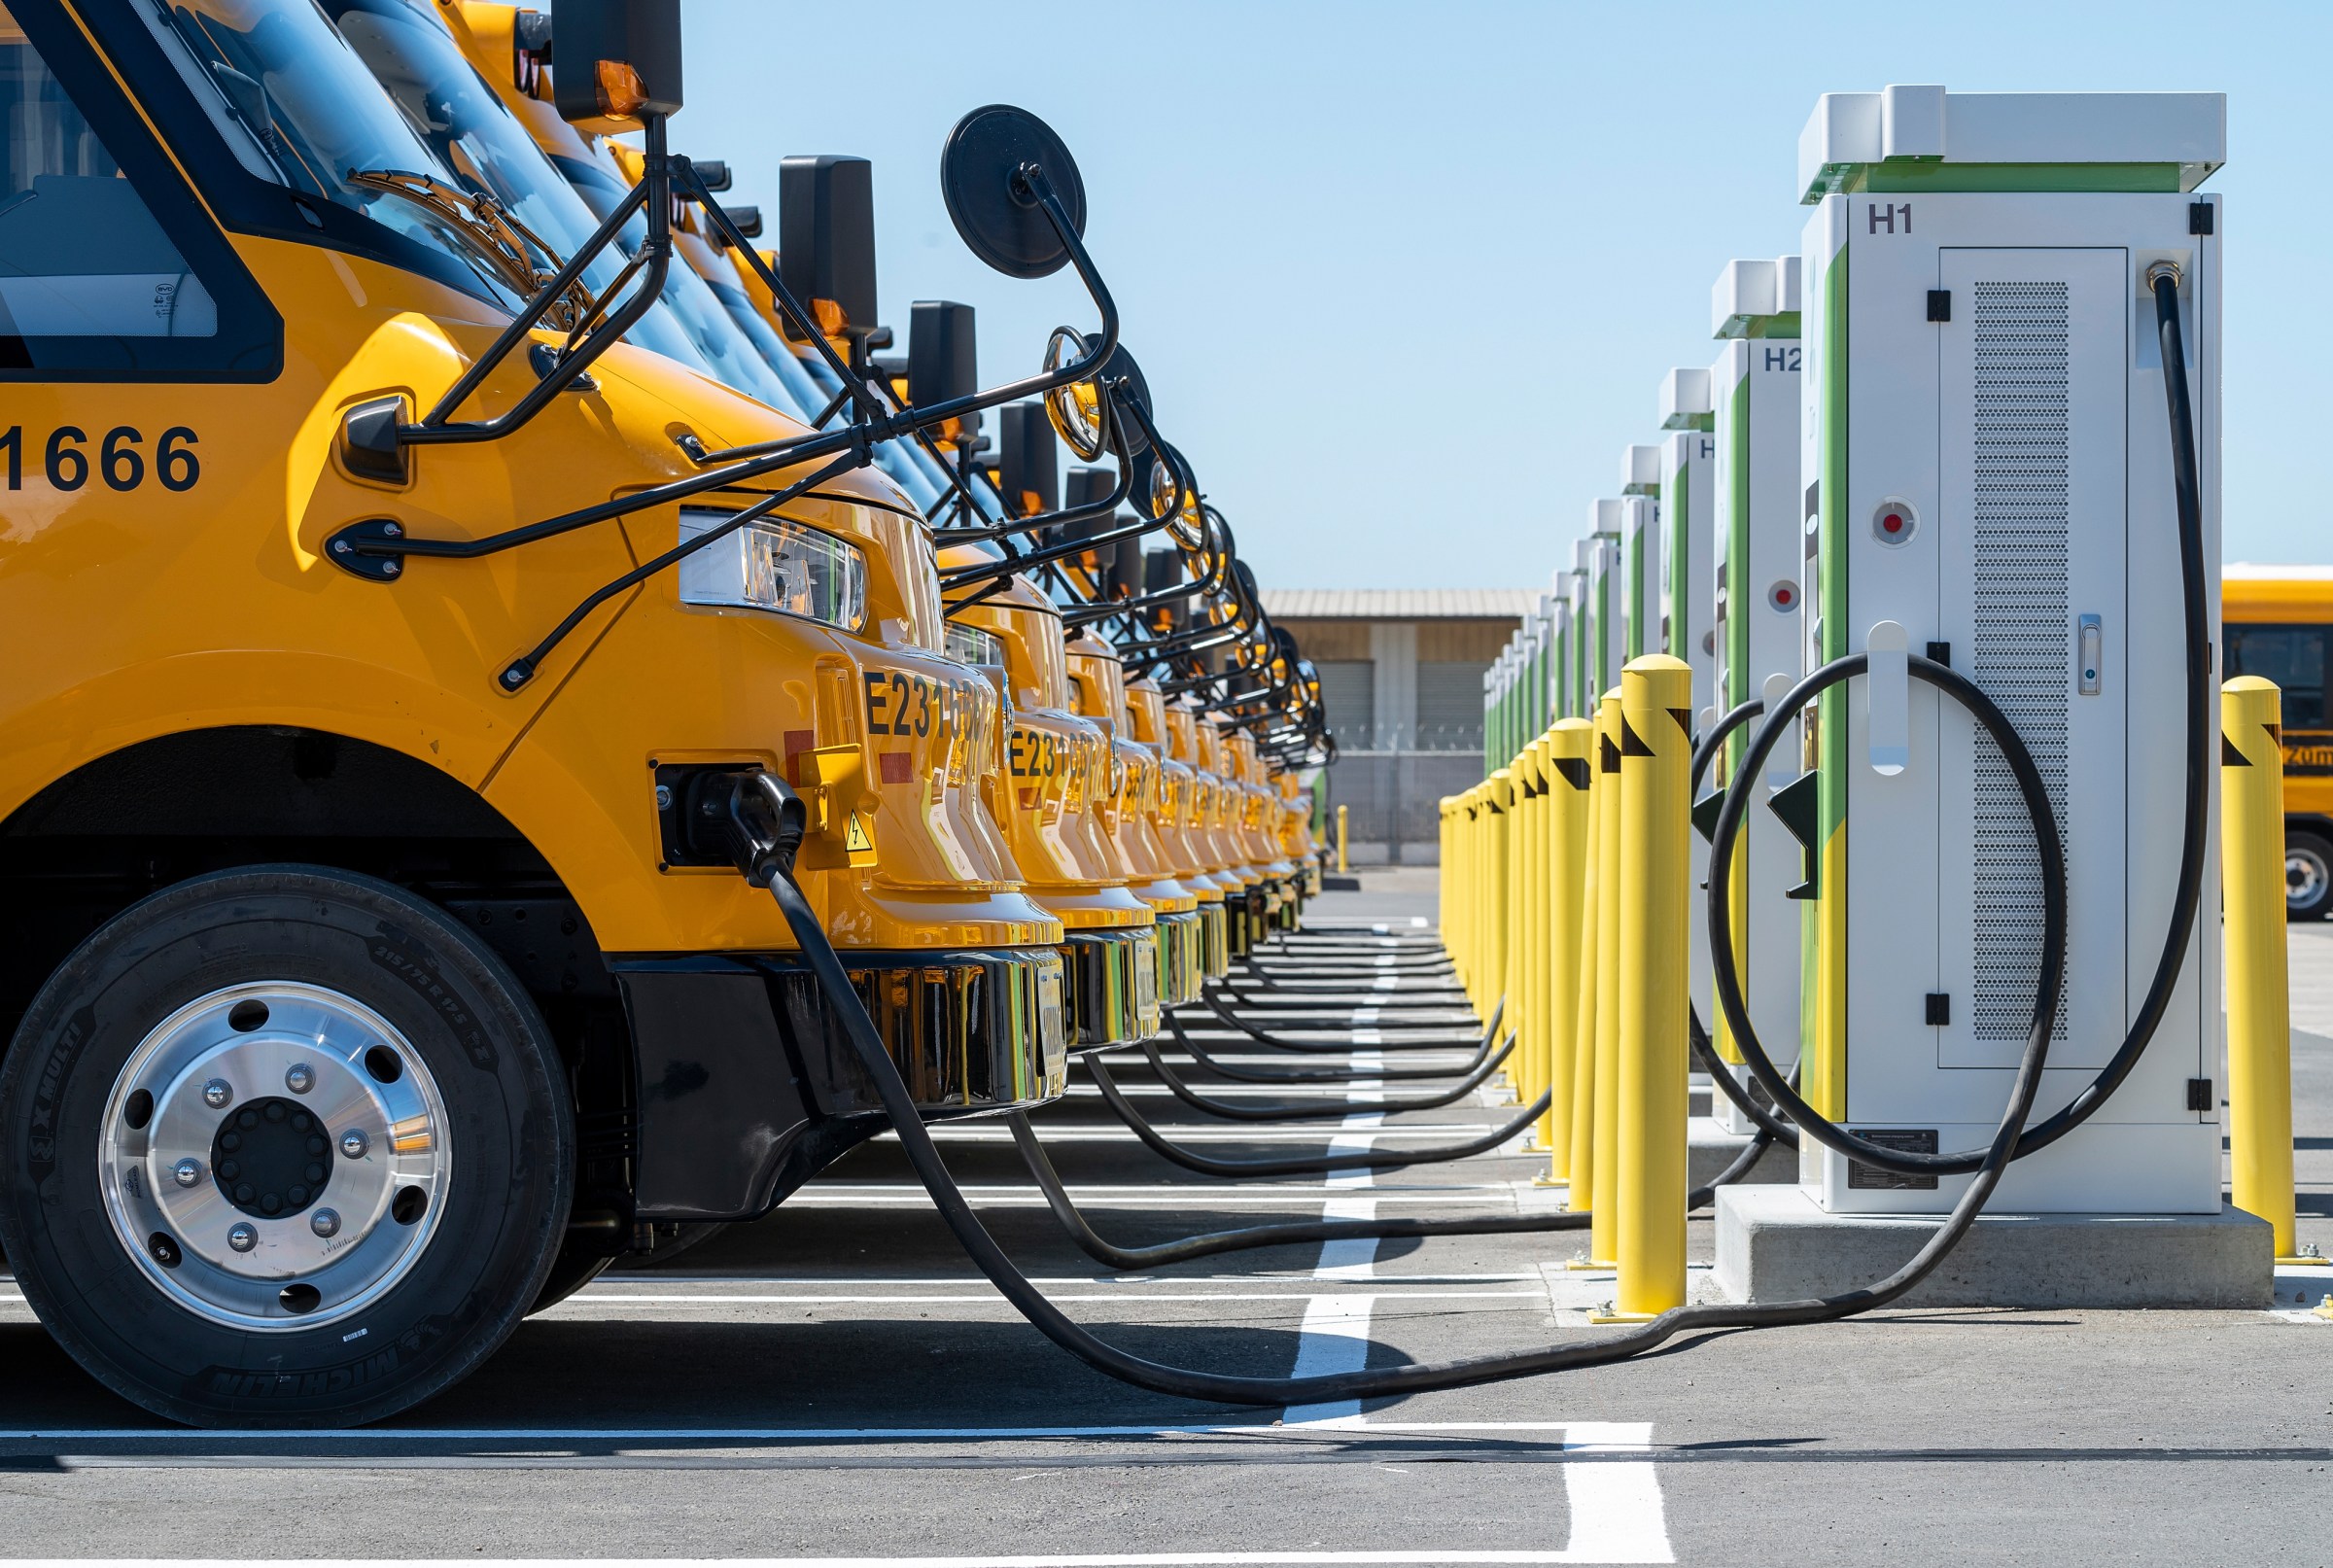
138 819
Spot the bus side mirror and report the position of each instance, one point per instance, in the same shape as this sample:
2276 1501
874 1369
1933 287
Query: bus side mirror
1029 461
943 358
997 169
617 59
826 240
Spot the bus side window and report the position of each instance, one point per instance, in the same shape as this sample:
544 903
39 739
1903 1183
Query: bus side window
2291 656
81 256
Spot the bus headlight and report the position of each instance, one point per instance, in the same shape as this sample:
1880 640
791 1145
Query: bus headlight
771 564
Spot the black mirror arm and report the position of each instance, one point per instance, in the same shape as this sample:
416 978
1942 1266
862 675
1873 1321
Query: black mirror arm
435 426
1217 548
1064 515
1199 639
958 496
854 385
885 426
519 671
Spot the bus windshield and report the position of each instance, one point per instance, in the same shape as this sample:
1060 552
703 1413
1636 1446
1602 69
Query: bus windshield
305 112
454 112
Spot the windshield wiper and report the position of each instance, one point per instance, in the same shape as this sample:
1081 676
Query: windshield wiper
507 246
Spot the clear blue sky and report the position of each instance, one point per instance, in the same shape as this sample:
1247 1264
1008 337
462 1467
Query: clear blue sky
1404 279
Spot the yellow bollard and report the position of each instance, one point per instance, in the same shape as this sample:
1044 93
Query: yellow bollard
1510 915
1655 875
1534 965
1462 897
1581 1168
1444 872
1604 1231
1567 815
1485 937
2252 861
1341 811
1494 872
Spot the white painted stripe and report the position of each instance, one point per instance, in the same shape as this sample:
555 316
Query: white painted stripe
1072 1134
1143 1560
1336 1331
1180 1201
703 1299
1335 1338
1356 1142
668 1279
1352 1258
1616 1512
1182 1193
729 1434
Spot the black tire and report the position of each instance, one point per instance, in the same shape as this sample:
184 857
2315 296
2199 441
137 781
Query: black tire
496 1225
2307 875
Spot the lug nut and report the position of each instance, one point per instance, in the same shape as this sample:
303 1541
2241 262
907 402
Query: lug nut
242 1238
354 1143
218 1092
324 1223
188 1172
299 1077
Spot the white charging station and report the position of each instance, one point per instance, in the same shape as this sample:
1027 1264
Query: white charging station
1556 602
1687 530
1639 510
1686 623
1753 386
1606 630
1992 467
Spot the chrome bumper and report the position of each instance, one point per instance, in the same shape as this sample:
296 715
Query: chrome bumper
1182 958
1112 987
1214 941
972 1031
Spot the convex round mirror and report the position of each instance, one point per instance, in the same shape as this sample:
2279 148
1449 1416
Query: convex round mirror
1080 414
992 203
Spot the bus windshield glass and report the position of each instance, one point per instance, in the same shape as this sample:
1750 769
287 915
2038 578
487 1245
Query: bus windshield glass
313 118
457 115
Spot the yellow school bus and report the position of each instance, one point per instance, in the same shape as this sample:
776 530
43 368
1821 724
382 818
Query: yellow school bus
2277 620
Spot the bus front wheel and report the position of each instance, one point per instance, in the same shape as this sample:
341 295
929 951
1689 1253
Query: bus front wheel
2307 875
282 1146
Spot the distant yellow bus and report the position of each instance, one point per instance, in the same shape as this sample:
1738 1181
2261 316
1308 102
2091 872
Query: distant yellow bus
2275 620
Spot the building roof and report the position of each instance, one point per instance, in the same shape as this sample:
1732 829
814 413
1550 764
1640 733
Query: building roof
1399 604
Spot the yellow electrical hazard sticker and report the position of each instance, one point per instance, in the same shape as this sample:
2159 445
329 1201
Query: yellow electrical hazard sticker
856 841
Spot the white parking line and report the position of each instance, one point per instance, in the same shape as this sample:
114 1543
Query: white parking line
1181 1200
1062 1133
739 1434
1139 1559
706 1299
671 1278
1334 1337
1616 1512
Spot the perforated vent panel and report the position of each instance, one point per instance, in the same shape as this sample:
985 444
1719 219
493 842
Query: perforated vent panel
2021 626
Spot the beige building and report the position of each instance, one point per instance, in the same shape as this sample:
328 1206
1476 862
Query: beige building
1402 672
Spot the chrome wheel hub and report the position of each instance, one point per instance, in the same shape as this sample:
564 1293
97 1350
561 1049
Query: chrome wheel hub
274 1156
2305 876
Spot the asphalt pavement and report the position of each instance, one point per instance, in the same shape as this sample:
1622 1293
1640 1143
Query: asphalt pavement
836 1383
